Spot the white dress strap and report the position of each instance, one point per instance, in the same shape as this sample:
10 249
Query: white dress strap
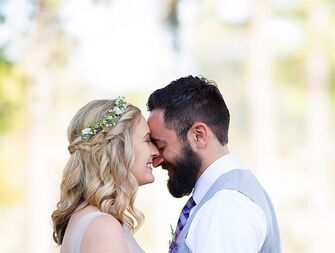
80 229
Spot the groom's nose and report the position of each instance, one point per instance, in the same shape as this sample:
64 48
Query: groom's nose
157 161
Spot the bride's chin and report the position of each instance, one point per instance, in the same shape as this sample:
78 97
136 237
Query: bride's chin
147 181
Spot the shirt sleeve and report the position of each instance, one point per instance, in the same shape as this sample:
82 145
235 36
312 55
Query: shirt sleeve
228 223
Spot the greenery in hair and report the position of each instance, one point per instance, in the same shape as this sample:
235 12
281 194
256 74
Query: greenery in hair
108 121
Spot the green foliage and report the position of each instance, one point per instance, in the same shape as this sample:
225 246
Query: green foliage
288 71
11 94
2 18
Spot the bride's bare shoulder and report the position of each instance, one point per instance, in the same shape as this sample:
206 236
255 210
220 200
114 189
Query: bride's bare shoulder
104 234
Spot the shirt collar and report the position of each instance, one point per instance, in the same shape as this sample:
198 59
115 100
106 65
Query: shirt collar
217 168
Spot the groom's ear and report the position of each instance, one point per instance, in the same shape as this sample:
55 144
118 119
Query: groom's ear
198 135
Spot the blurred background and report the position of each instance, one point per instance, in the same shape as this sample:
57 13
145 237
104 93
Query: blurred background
274 62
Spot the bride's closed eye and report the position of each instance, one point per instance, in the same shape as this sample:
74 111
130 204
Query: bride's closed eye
148 140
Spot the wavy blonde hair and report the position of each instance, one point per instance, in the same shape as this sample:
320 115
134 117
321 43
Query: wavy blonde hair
98 169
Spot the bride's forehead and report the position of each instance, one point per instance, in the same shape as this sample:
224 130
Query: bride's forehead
141 127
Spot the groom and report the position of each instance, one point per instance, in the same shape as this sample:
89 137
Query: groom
228 211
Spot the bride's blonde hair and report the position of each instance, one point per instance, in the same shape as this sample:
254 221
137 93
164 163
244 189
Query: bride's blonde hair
98 170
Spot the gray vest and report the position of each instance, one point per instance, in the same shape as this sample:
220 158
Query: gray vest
246 183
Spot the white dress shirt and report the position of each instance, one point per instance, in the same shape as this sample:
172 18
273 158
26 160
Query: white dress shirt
229 222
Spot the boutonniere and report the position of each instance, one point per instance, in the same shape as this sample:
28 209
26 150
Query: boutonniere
172 243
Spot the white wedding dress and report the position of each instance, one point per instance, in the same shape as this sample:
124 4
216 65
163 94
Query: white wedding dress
74 237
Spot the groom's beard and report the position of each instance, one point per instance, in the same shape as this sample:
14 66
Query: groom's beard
183 173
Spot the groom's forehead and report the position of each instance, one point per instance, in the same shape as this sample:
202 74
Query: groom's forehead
159 131
157 116
156 122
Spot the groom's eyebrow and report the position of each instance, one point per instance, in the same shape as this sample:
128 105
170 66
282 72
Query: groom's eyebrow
158 141
154 140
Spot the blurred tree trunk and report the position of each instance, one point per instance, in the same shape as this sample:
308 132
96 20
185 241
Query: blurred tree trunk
171 18
260 94
317 74
38 67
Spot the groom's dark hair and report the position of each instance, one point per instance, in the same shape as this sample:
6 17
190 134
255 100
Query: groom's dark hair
190 99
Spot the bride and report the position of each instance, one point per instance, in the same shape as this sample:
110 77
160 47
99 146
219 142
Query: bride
111 155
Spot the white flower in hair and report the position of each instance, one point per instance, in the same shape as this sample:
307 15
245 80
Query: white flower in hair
117 110
86 131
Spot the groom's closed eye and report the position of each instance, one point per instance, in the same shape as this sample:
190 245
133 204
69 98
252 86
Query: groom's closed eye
161 149
159 144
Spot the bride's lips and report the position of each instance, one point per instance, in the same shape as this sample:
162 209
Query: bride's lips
149 165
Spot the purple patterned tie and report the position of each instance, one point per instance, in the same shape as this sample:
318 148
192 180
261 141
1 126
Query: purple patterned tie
185 213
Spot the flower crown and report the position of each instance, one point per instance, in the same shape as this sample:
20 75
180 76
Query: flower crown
107 121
